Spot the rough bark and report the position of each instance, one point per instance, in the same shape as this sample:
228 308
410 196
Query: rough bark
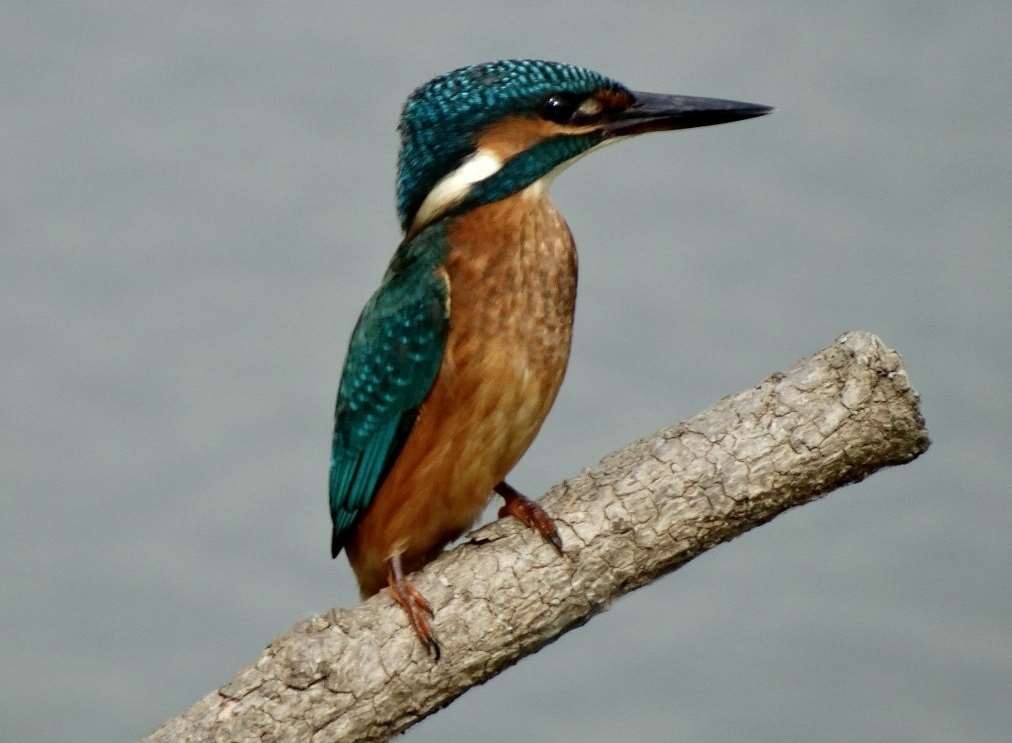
360 674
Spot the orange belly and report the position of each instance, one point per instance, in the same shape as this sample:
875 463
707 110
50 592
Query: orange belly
512 275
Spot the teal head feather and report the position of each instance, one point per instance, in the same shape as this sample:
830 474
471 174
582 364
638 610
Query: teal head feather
442 118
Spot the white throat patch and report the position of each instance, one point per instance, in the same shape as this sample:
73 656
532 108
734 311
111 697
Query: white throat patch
454 186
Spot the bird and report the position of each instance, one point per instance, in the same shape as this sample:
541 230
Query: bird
458 356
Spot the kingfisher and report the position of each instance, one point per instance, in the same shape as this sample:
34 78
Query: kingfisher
458 356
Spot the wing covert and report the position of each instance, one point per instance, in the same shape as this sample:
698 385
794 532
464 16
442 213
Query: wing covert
393 358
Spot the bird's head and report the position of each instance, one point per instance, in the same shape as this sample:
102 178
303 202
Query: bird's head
483 132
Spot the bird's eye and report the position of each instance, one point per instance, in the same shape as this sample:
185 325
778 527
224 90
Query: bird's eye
559 107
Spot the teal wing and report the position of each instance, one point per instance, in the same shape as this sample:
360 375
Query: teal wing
393 358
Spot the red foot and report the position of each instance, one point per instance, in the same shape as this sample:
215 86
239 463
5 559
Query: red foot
530 513
419 610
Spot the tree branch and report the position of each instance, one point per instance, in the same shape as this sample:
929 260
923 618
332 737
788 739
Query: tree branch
361 675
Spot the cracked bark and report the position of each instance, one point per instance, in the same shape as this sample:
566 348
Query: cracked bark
360 674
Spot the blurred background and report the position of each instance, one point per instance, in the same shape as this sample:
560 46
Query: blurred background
197 199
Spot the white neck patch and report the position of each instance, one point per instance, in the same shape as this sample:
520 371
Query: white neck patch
454 186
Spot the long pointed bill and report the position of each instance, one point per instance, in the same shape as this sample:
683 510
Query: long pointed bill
651 112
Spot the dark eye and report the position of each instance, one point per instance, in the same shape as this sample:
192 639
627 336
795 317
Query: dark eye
559 107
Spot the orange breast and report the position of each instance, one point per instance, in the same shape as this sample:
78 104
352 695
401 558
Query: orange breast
512 275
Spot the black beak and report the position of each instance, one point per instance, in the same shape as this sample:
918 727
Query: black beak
651 112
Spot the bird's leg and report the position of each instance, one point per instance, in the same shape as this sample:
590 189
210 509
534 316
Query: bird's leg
419 610
530 513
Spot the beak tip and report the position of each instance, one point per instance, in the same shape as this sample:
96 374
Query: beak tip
752 110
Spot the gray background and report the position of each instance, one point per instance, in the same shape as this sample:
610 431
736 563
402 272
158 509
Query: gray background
197 199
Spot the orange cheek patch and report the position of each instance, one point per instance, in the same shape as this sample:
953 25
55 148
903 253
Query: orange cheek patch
515 134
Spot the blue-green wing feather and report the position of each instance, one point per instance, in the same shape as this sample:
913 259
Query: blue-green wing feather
393 358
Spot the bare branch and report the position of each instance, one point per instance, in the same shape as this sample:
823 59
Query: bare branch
361 675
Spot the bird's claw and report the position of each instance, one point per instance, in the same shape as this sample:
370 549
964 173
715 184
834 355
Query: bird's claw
419 611
530 514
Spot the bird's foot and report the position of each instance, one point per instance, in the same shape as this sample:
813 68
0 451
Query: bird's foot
530 513
419 610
